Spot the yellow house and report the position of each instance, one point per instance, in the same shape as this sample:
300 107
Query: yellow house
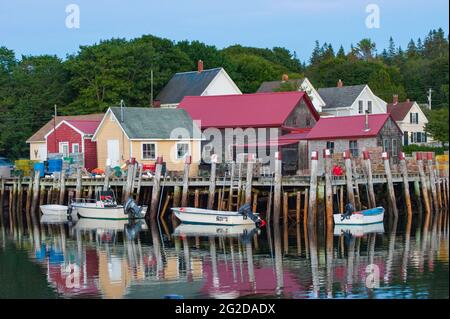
148 133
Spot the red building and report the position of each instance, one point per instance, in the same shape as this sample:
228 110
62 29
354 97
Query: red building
74 137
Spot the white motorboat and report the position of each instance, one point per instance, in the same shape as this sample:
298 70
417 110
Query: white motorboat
193 230
358 230
368 216
60 210
106 207
215 217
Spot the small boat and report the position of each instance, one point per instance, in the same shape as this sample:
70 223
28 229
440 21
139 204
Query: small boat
216 217
105 207
193 230
364 217
60 210
359 230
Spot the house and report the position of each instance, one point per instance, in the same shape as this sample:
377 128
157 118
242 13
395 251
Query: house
351 100
146 134
74 138
38 145
249 123
196 83
294 84
355 133
411 120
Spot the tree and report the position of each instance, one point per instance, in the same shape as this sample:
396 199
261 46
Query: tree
437 125
365 49
341 53
381 84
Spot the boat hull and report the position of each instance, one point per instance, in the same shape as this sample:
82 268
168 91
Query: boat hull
193 230
370 216
55 210
116 213
204 216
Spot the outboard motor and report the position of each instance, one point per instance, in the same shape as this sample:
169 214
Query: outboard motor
132 209
246 210
349 209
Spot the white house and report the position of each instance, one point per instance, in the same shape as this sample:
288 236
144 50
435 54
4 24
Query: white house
411 120
303 85
351 100
196 83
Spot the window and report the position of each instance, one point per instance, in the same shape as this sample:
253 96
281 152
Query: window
353 145
414 118
76 148
369 107
182 150
330 146
386 145
405 138
64 148
360 107
148 151
394 147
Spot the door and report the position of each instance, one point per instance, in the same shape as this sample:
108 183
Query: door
113 152
42 152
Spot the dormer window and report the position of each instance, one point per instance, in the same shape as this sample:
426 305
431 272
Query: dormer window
369 107
360 107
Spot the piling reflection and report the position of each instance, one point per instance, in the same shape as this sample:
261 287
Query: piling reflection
122 259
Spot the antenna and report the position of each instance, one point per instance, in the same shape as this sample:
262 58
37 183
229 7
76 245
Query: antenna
122 104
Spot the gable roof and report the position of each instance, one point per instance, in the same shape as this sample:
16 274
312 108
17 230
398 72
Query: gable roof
340 96
153 123
399 110
39 136
246 110
183 84
87 127
347 127
271 86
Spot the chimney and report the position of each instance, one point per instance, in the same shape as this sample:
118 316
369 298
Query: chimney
284 78
395 99
340 83
408 100
200 66
366 124
156 103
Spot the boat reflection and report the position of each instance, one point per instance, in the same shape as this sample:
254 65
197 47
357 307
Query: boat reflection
193 230
358 230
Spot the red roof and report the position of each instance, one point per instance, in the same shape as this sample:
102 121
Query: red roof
85 126
244 110
347 127
399 110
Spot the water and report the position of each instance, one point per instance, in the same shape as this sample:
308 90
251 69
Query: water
48 258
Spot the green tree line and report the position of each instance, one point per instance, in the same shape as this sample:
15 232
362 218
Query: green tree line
100 75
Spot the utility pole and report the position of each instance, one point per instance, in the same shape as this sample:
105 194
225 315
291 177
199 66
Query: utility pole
429 98
54 127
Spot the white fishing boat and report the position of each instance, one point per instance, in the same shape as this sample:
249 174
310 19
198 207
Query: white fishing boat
216 217
193 230
359 230
54 210
368 216
106 207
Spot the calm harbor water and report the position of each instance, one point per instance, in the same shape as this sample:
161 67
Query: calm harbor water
43 257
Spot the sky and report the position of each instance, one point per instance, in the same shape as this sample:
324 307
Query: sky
32 27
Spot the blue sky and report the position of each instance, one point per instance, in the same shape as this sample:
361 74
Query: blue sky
38 26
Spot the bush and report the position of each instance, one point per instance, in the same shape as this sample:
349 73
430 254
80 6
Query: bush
409 149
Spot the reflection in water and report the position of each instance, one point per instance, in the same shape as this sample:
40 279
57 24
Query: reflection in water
120 259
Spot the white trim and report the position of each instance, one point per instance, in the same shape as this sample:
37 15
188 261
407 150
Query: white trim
167 139
142 151
94 137
60 150
77 144
316 94
68 124
176 149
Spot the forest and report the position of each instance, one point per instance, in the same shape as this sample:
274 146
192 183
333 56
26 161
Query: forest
100 75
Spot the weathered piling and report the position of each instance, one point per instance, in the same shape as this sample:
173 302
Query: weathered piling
298 207
328 187
107 176
423 182
129 184
404 171
349 178
231 192
196 198
2 194
313 189
184 195
212 182
285 208
78 187
139 183
249 179
432 181
390 183
62 187
277 188
29 194
368 172
176 196
156 188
